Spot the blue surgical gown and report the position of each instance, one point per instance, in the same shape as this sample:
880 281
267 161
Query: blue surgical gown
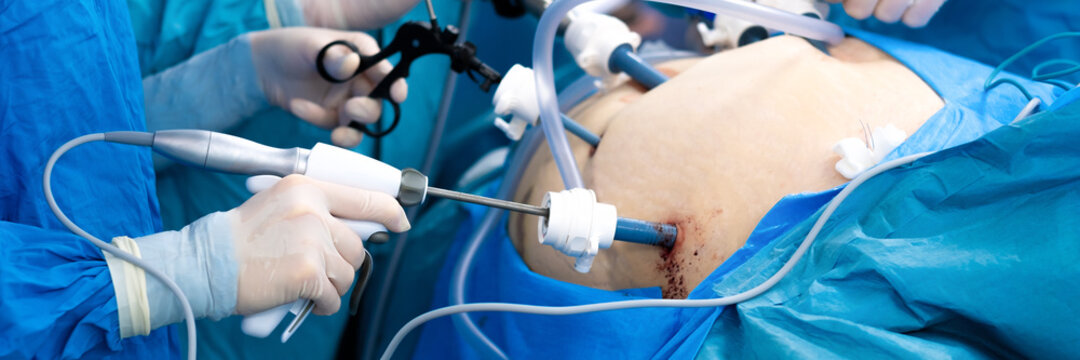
989 31
969 113
969 253
66 71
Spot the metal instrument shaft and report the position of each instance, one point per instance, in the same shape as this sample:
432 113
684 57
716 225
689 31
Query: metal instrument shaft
486 201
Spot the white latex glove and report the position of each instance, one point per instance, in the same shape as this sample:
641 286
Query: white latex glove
284 61
281 245
289 245
914 13
354 14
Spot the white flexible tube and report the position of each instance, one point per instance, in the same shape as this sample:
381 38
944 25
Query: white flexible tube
768 17
550 121
543 44
573 94
189 316
668 303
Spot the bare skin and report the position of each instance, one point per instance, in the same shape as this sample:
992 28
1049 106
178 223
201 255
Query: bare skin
714 148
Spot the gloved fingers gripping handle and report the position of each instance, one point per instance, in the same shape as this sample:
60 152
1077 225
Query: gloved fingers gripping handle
380 133
376 61
350 203
263 324
392 93
321 59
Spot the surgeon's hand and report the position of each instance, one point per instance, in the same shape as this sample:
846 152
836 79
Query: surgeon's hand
354 14
284 61
914 13
290 246
283 244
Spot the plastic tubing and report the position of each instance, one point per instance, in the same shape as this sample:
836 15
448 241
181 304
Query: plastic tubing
544 43
550 121
666 303
519 159
574 94
370 339
189 316
804 26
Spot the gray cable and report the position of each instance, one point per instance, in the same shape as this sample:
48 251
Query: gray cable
188 314
370 340
518 161
573 94
461 269
669 303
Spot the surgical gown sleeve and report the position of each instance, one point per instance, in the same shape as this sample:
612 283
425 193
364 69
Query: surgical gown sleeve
170 32
69 68
57 298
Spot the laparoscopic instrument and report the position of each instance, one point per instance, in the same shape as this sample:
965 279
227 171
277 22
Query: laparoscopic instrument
413 40
572 220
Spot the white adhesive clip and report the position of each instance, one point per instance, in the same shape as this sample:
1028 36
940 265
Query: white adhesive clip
592 37
856 156
577 225
516 97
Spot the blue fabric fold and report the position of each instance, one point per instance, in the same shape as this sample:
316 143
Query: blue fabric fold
499 274
68 69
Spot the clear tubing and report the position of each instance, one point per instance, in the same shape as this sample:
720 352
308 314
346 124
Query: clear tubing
768 17
518 161
574 94
550 121
662 303
544 43
115 251
623 59
371 337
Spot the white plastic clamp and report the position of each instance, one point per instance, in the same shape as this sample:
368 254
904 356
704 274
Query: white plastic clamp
856 156
516 97
799 7
577 225
727 30
725 33
592 37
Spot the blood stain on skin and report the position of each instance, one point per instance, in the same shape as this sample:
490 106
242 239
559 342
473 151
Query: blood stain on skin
671 262
630 98
685 254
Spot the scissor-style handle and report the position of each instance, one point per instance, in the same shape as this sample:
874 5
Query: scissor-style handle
382 89
378 134
412 40
366 62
